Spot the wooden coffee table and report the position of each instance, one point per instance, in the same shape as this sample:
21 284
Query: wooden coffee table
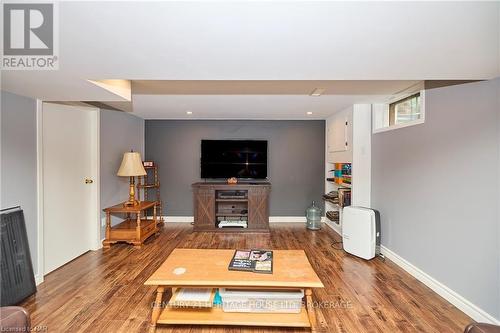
208 268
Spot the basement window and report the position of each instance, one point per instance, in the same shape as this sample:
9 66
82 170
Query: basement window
403 112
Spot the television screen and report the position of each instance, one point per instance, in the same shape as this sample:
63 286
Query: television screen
234 158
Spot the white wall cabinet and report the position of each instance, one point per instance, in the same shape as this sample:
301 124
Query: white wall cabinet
339 137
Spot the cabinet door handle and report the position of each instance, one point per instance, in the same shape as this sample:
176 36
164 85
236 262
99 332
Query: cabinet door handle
88 181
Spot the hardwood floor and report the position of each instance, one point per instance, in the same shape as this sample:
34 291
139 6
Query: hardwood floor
103 291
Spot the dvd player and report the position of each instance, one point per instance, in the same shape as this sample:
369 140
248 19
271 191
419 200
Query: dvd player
232 194
233 224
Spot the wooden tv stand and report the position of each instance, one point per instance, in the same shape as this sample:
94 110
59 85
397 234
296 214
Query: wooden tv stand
216 201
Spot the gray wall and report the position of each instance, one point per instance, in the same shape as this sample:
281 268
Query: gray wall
437 188
18 162
120 132
296 159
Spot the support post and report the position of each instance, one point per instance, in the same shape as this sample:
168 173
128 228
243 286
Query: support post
138 228
157 306
106 243
310 311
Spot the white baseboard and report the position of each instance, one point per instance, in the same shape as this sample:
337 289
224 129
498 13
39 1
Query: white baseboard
333 226
272 219
442 290
284 219
38 279
97 246
183 219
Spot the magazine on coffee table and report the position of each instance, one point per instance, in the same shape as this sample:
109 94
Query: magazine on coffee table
257 261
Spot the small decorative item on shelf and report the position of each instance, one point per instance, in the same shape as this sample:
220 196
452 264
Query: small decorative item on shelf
332 197
333 215
344 197
337 173
346 180
148 163
131 167
232 180
341 174
313 216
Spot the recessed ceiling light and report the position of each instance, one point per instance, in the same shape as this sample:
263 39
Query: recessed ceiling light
309 112
189 112
317 92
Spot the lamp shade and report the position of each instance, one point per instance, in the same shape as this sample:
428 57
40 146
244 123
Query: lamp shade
131 165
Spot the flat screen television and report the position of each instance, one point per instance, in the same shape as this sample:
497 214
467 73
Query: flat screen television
243 159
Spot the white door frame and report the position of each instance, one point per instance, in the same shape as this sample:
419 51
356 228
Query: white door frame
95 163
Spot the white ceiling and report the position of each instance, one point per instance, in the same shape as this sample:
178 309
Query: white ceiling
302 40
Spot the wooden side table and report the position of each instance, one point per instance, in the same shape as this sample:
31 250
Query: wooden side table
136 227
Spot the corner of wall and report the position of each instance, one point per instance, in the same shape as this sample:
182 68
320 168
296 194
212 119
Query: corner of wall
497 87
361 157
143 136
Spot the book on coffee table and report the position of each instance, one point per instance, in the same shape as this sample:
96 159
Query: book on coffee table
257 261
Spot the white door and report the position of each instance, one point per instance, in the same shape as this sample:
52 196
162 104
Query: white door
69 138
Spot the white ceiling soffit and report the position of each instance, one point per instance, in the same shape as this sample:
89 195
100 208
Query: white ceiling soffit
54 86
244 106
255 99
268 87
159 99
121 88
305 40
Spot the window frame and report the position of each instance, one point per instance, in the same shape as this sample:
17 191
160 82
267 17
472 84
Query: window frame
419 121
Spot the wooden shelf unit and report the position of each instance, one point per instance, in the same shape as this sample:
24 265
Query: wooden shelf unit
143 188
148 185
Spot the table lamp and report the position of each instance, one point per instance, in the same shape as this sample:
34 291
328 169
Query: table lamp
131 167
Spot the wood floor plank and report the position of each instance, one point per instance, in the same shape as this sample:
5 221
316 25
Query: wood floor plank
103 291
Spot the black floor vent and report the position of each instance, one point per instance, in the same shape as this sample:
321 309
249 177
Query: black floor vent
18 281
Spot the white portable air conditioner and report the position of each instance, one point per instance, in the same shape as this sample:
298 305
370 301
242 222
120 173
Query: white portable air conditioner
360 231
